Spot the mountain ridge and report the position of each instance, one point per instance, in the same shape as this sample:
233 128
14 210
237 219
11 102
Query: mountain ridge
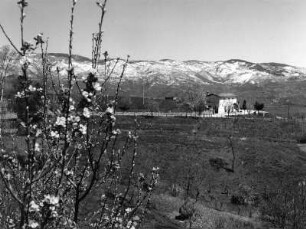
175 73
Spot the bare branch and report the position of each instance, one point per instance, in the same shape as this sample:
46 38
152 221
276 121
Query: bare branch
11 42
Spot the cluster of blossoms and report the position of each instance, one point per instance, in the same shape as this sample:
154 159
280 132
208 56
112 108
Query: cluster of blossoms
132 136
31 88
61 121
132 224
87 96
83 129
33 224
20 94
74 119
37 147
54 134
75 122
116 132
86 112
51 200
47 208
97 86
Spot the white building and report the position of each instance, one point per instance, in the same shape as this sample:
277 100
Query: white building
227 103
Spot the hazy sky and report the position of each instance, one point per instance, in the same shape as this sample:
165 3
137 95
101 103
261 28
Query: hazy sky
254 30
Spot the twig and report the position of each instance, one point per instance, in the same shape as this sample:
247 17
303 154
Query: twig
119 83
11 42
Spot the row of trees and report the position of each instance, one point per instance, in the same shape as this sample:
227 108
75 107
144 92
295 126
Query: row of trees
193 102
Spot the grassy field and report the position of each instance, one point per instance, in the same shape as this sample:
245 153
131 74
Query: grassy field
213 160
196 156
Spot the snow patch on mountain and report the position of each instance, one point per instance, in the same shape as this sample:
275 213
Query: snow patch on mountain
175 73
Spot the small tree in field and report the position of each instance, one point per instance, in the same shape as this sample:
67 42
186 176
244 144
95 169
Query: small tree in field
195 98
244 105
69 170
259 106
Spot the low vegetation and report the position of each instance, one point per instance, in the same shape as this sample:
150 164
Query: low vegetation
195 158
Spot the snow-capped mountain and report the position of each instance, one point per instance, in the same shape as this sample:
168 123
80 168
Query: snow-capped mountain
175 73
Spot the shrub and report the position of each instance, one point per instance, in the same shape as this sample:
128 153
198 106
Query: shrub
218 163
258 106
237 200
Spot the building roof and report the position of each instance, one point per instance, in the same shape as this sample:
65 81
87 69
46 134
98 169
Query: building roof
227 95
211 94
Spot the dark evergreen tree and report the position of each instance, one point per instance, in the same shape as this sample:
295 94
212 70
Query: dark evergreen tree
244 105
259 106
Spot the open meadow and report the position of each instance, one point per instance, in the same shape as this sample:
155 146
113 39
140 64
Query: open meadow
224 167
222 162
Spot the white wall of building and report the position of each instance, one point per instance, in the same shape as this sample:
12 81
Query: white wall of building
225 104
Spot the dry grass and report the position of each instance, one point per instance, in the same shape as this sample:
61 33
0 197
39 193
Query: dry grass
206 217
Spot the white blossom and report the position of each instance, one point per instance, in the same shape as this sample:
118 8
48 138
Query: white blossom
19 94
83 129
113 118
33 207
33 224
54 134
110 110
31 88
71 108
60 121
38 132
85 94
86 112
54 214
74 118
37 147
128 210
53 200
117 131
97 86
71 100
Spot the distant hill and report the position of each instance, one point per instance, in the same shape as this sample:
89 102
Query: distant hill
271 82
174 73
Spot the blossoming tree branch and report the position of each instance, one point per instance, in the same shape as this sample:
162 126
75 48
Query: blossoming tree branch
68 150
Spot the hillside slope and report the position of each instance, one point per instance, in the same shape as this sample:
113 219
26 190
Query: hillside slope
174 73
